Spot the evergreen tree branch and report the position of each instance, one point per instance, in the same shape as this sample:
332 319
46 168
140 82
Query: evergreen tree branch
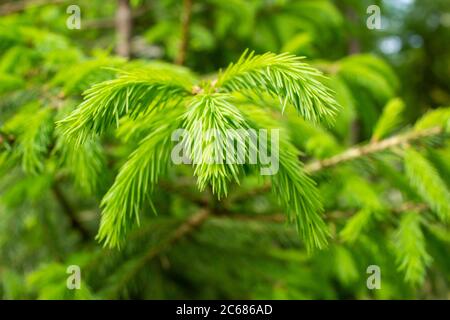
295 190
428 184
328 216
374 147
134 184
214 112
353 154
284 76
410 248
133 93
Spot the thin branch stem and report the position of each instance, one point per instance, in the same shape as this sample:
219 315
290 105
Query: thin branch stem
123 27
185 26
110 22
69 211
6 138
373 147
17 6
329 216
184 192
353 154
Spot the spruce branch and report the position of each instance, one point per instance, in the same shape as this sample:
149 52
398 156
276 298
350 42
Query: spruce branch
133 93
214 112
410 248
295 190
135 101
134 184
428 184
31 132
330 216
371 148
355 153
85 163
284 76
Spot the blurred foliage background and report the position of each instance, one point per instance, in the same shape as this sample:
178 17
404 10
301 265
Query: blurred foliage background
388 206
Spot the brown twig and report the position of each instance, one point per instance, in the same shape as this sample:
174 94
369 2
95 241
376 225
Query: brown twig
377 146
123 27
353 154
329 216
185 25
6 138
108 22
184 192
17 6
70 212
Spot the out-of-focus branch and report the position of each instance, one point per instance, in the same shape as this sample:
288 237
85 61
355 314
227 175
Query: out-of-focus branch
353 154
68 210
373 147
184 192
184 230
123 28
185 26
17 6
108 22
354 46
6 138
329 216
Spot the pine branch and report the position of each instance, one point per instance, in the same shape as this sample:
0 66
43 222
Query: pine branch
295 190
31 131
284 76
357 224
133 93
328 216
134 183
214 112
374 147
353 154
428 184
85 163
410 248
299 196
142 95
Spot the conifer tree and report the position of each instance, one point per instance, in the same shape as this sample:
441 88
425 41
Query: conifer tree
87 176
